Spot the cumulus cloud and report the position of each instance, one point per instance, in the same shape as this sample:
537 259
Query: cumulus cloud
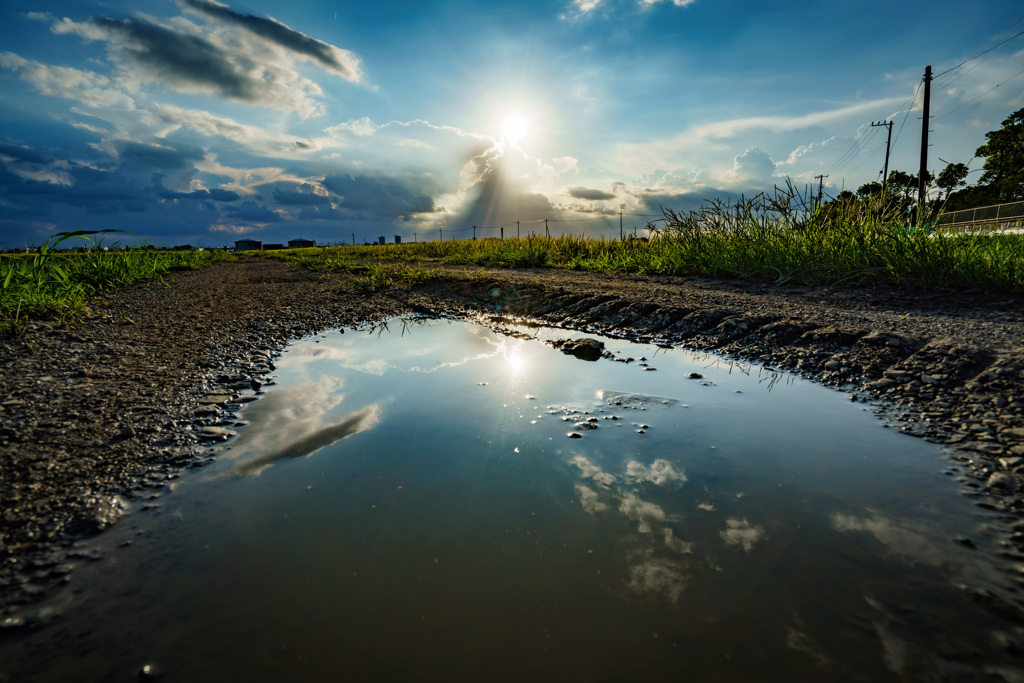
334 59
753 166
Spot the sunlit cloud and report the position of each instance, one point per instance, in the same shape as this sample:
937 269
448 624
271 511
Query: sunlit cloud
86 87
342 62
183 56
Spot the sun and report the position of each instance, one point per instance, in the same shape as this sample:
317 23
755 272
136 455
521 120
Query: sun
514 129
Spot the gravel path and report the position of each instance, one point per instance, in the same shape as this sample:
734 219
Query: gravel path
98 418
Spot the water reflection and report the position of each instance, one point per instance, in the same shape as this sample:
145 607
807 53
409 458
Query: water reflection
908 538
742 533
297 421
691 533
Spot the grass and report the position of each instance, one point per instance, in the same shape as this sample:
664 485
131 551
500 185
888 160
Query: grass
57 285
778 238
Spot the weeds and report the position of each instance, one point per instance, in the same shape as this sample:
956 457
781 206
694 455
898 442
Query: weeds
49 283
782 237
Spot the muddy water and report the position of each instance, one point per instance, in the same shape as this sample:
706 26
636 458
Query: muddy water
437 501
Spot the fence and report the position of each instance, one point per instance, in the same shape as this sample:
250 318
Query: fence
997 214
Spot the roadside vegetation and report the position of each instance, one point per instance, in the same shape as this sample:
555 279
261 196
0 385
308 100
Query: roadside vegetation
58 284
779 238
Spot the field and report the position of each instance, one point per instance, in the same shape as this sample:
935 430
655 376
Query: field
763 240
57 284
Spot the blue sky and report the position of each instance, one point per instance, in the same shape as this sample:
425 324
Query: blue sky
192 121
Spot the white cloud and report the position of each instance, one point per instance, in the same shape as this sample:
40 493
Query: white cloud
87 87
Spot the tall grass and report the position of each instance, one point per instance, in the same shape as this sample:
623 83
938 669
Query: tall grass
778 238
49 283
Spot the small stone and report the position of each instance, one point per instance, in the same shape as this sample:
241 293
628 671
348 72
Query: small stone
574 435
694 375
1002 481
216 433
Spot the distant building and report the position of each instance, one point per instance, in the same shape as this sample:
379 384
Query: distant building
271 247
380 240
398 239
301 244
248 245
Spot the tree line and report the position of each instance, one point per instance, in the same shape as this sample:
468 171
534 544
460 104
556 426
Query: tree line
1001 181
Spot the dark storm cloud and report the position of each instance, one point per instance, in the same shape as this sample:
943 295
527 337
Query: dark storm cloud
293 197
22 153
179 58
215 194
384 198
334 59
95 190
590 194
252 212
162 156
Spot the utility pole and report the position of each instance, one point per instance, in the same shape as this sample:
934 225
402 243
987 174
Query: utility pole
503 232
353 239
821 186
517 229
620 226
440 235
414 238
888 143
922 182
546 233
474 232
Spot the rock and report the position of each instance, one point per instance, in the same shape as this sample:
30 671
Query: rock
216 433
1002 481
215 399
585 349
694 375
574 435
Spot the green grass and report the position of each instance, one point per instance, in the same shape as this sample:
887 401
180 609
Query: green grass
57 285
778 239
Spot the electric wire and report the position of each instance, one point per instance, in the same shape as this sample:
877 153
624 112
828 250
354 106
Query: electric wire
980 96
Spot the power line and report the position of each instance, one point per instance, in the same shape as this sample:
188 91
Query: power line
981 95
960 69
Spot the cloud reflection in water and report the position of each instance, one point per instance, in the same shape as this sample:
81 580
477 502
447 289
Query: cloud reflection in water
295 421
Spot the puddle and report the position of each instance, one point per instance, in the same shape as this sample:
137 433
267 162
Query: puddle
408 503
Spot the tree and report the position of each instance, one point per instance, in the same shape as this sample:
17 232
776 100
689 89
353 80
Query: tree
901 182
869 189
1004 159
953 177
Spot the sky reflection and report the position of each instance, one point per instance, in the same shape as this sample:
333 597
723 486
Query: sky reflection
297 421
